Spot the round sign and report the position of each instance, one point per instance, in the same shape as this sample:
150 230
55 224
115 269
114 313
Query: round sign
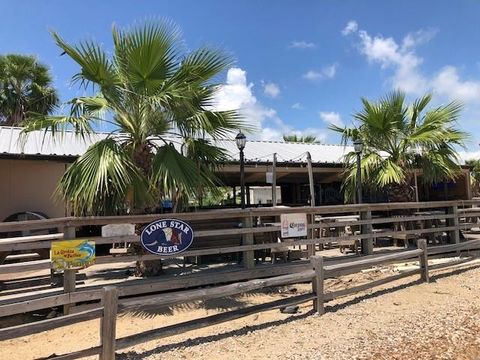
167 237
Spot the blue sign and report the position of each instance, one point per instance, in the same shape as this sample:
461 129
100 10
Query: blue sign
167 237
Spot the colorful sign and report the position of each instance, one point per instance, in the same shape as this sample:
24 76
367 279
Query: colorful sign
293 225
167 237
72 254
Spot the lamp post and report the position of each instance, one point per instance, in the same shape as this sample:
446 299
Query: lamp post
241 140
358 148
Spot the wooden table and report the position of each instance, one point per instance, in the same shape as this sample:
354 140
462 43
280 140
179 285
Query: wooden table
337 231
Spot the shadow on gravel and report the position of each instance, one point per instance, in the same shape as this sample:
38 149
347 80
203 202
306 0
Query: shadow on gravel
132 355
374 294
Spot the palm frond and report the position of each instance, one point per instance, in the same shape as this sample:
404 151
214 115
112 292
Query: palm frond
104 180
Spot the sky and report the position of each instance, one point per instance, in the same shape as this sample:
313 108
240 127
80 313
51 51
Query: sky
299 65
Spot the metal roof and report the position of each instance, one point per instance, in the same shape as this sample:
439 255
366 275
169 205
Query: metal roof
43 144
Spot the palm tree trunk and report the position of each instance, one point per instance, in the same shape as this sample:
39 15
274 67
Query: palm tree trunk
142 156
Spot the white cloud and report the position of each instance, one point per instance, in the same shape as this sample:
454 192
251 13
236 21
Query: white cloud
351 27
327 72
468 155
331 117
402 59
237 93
271 89
447 82
301 45
297 106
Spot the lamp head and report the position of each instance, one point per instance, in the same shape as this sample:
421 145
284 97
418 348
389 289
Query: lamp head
241 141
358 146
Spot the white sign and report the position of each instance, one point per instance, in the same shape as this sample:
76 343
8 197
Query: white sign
269 178
293 225
118 230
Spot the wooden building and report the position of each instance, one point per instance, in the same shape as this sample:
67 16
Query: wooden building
31 167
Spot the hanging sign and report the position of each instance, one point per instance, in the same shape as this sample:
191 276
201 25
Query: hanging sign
72 254
167 237
293 225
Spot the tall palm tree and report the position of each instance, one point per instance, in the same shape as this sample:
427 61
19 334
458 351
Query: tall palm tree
25 85
399 139
158 100
308 139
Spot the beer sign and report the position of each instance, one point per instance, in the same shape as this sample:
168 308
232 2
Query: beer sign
167 237
293 225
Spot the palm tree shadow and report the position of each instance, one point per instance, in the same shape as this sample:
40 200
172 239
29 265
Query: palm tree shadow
132 355
434 278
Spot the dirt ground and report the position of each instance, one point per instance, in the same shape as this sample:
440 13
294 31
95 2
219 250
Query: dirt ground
405 319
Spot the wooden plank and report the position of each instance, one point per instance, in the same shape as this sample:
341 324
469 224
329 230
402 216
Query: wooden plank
69 283
20 307
422 245
389 220
80 354
180 297
24 239
44 325
451 263
190 325
444 249
25 266
455 233
318 283
332 270
247 239
109 323
344 292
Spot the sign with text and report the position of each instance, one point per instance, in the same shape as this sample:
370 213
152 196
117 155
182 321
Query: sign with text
167 237
72 254
293 225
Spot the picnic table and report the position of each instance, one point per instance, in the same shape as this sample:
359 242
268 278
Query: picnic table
337 231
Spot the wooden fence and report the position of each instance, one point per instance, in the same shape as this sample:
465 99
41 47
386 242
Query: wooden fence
112 303
453 216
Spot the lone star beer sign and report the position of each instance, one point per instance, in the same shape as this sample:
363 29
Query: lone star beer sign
167 237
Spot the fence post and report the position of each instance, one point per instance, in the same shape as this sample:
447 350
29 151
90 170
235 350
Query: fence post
108 323
248 239
422 245
69 275
367 244
311 249
317 283
454 235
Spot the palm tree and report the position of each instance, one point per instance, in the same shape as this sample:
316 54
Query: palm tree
310 139
25 85
158 100
399 139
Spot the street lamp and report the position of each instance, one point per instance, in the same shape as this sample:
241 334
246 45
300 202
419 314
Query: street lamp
241 141
358 148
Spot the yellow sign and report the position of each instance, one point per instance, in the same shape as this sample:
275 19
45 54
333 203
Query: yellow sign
72 254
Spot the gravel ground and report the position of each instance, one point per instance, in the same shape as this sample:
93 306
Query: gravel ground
405 319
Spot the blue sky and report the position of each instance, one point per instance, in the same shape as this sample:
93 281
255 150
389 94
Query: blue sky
299 64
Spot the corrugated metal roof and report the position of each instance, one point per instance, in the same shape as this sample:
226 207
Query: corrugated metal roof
69 145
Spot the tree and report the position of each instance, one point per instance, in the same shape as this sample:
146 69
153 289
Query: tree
474 175
25 85
159 101
398 139
310 139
